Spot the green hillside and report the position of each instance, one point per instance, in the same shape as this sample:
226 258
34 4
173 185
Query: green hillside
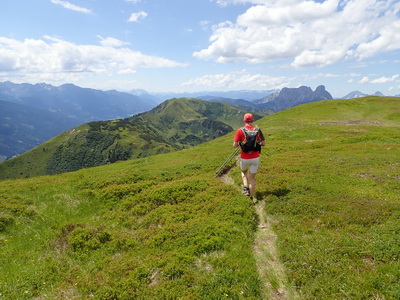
163 227
173 125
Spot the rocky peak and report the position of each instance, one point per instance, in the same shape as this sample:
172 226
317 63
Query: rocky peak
289 97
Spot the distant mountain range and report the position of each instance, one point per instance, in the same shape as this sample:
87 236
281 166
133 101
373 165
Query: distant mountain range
248 95
83 104
358 94
31 114
289 97
262 101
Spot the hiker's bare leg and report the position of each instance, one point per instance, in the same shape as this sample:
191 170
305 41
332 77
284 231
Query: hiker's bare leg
252 185
244 178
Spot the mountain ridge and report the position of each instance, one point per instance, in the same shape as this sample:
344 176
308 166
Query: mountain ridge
248 95
172 125
74 101
289 97
358 94
70 105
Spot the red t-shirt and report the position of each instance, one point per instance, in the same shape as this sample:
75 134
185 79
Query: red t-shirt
240 137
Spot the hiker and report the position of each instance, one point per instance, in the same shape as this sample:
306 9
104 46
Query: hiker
250 139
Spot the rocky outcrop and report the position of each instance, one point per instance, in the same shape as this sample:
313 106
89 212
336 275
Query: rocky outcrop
289 97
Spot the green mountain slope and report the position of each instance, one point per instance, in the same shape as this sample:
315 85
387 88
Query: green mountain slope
174 124
163 227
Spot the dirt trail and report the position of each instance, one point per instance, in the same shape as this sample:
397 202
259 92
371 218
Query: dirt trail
271 271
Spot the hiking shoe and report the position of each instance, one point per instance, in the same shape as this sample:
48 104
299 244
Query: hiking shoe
246 191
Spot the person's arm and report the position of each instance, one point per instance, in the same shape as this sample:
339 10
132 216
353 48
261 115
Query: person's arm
238 138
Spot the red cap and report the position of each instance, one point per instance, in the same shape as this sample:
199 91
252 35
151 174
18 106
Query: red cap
248 118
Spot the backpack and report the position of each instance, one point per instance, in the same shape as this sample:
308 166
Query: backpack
250 143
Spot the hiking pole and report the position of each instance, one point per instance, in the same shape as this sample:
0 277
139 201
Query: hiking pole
227 161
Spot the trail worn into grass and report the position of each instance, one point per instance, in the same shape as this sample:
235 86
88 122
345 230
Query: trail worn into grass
271 271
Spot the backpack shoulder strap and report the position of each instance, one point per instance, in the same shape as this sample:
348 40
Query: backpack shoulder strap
244 130
247 130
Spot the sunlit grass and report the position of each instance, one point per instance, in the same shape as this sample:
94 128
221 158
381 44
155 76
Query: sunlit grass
164 227
150 228
334 188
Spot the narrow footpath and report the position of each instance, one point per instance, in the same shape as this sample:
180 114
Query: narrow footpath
271 271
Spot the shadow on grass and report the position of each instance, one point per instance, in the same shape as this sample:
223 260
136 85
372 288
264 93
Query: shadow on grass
280 192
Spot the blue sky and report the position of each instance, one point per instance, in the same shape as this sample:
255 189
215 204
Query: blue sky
196 45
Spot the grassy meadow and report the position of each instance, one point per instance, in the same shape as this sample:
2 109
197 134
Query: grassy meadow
163 227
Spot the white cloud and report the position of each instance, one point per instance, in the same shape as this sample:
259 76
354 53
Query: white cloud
394 88
238 80
329 75
126 71
136 16
386 79
388 39
224 3
205 24
383 79
111 42
309 33
133 1
303 11
71 6
52 57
